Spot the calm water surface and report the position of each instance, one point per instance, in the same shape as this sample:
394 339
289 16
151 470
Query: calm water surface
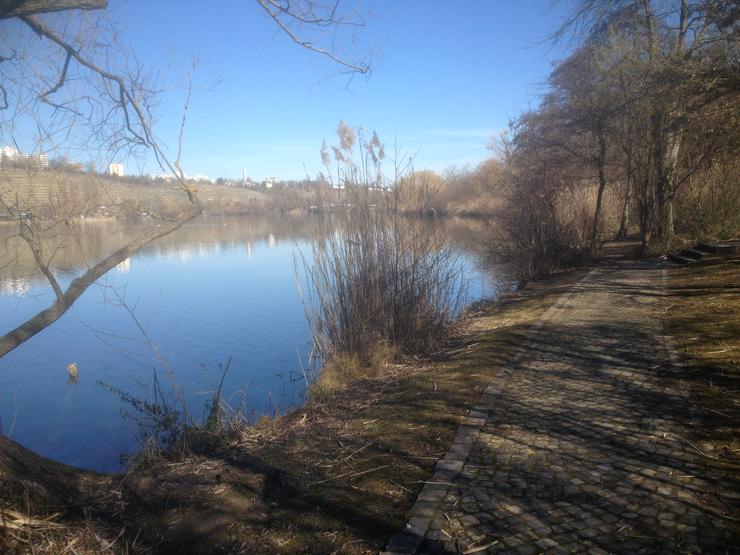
218 289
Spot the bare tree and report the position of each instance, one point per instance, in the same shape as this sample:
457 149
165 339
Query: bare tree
67 84
583 98
677 58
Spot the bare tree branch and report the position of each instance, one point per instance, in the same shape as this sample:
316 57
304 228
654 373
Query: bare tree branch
127 92
277 11
128 102
16 8
62 77
125 96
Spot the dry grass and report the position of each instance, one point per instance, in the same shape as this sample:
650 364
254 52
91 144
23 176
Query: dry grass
380 279
40 519
704 318
20 533
82 194
344 369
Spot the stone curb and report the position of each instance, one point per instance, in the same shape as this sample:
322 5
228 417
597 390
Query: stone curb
430 498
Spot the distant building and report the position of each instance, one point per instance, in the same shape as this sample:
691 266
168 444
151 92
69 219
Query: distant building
115 169
10 157
202 178
268 183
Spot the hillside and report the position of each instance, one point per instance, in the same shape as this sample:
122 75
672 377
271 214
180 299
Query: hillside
42 190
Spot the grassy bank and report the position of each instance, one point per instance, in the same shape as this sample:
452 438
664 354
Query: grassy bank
52 192
703 316
336 475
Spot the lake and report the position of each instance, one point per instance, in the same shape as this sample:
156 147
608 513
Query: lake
218 289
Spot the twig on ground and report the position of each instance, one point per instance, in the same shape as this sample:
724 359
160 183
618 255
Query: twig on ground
479 548
348 474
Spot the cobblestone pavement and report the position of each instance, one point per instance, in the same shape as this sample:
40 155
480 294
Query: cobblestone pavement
581 444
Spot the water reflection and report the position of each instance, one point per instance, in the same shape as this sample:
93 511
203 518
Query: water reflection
124 267
16 287
218 288
90 241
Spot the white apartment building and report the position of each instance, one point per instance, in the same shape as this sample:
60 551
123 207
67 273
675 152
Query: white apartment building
115 169
11 157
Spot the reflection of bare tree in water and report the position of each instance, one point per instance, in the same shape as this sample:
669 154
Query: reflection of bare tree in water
125 126
86 94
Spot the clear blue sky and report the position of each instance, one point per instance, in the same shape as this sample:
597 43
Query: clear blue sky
447 76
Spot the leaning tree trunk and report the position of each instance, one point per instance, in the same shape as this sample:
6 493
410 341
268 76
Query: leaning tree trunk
624 219
65 299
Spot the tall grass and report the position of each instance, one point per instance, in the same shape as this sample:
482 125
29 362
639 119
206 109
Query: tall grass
381 279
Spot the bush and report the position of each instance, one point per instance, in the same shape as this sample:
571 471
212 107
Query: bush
541 226
382 278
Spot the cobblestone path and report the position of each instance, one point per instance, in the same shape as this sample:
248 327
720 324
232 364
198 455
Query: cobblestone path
581 444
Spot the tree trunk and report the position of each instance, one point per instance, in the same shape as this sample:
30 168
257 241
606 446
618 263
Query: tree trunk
625 217
601 161
667 153
19 8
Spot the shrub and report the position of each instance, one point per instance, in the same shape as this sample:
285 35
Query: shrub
381 278
541 226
